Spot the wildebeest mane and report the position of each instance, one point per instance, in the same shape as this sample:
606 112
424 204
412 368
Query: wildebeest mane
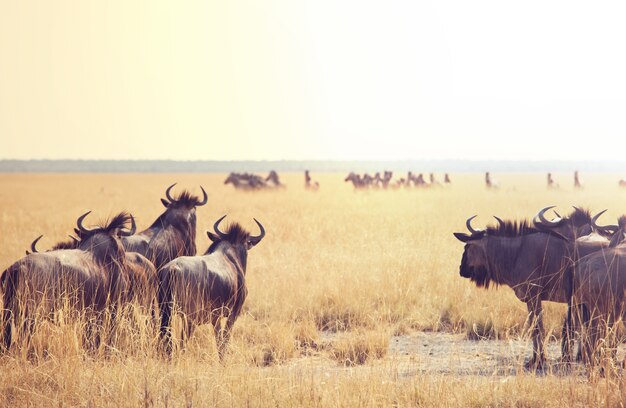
512 229
580 216
108 226
71 244
234 234
187 199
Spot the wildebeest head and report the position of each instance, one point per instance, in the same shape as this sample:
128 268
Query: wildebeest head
103 241
235 236
573 226
181 211
474 263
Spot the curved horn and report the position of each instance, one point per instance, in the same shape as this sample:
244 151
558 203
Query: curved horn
258 238
204 199
133 228
79 223
543 219
468 224
76 240
216 227
33 246
167 193
499 220
604 228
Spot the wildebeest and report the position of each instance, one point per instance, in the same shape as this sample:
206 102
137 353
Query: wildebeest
272 178
173 233
140 271
534 263
490 182
309 184
577 182
208 287
550 182
599 283
88 279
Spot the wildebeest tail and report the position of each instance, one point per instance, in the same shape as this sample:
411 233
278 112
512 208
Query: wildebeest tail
8 282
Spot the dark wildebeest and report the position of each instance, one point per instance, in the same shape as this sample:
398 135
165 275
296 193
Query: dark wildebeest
356 180
140 271
309 184
173 233
532 262
446 179
89 279
208 287
577 183
272 177
599 283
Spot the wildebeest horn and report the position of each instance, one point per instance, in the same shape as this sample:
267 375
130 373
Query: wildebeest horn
604 228
216 227
499 220
79 223
204 199
167 193
543 219
133 228
73 238
468 224
33 246
258 238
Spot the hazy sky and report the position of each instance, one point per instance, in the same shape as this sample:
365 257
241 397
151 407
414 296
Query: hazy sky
298 79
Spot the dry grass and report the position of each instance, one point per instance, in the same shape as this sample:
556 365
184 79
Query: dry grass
338 273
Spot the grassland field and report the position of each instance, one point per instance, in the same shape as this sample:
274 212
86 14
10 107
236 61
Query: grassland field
341 277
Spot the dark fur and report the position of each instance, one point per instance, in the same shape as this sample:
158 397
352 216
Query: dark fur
235 234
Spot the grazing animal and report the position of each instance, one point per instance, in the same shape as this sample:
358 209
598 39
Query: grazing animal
532 262
89 279
446 179
551 182
208 287
173 233
622 183
272 178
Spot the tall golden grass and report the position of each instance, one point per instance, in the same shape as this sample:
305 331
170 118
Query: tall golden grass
339 273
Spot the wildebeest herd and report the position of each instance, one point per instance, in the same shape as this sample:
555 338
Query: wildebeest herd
102 269
569 260
385 181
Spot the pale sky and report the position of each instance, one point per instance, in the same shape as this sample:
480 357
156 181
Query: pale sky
300 79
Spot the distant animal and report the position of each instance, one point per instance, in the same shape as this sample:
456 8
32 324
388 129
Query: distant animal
309 184
446 179
534 263
173 233
622 183
550 182
89 279
209 287
272 178
577 182
357 181
490 182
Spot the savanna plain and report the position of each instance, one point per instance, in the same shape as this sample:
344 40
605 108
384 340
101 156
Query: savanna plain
355 299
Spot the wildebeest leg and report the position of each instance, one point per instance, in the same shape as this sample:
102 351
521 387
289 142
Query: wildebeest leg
583 319
566 336
91 339
165 306
535 315
186 331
